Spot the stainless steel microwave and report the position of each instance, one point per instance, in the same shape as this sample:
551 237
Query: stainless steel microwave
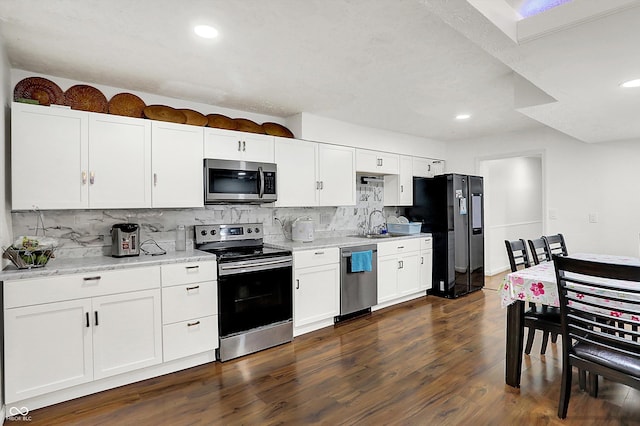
229 181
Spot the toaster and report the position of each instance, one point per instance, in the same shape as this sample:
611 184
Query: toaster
125 240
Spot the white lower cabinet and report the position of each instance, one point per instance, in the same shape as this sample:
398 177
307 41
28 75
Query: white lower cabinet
426 263
47 348
398 269
316 288
126 332
189 309
56 345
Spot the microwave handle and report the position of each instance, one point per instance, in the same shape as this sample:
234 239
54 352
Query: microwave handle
261 182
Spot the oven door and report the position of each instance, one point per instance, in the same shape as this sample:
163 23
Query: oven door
254 293
239 181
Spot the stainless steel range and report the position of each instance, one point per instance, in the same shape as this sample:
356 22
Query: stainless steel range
255 291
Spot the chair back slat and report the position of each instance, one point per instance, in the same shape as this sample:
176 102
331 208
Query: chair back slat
517 253
539 251
599 304
555 244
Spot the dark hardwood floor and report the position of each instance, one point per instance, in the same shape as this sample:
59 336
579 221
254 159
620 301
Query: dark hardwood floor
431 361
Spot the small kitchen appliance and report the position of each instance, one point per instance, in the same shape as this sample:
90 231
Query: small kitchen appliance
125 240
302 229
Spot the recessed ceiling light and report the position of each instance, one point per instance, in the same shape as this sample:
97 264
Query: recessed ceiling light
205 31
631 83
463 116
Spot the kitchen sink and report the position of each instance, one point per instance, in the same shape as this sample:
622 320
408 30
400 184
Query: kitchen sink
374 236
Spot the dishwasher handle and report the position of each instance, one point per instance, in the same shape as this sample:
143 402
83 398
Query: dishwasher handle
348 253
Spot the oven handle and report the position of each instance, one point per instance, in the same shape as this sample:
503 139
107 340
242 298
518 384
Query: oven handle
261 182
239 268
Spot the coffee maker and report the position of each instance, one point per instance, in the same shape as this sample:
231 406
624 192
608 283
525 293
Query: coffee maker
125 240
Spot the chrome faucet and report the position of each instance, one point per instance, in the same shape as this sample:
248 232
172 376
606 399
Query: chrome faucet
369 229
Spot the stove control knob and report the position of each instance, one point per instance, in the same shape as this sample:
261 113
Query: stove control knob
248 230
203 232
257 230
213 232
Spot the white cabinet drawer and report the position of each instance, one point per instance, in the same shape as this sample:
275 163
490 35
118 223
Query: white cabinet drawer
323 256
398 246
426 243
76 286
189 337
191 272
180 303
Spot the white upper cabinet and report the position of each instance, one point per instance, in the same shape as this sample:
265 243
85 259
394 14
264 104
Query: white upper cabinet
231 145
314 174
66 159
49 157
368 161
427 167
119 162
398 189
336 175
177 163
297 174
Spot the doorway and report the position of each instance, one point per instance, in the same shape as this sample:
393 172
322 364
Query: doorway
514 204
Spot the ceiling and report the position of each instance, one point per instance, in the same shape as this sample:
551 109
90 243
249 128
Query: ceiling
408 66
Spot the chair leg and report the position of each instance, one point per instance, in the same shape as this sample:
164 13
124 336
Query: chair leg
565 390
593 385
554 337
582 379
530 336
545 341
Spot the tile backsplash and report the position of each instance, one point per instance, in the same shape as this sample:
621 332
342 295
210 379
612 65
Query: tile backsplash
86 232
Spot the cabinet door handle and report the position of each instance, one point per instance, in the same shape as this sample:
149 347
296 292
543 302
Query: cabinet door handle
87 318
297 284
321 185
401 188
191 324
400 247
195 287
92 178
428 167
95 314
155 179
244 146
422 260
192 267
317 184
84 177
239 146
96 278
319 252
402 264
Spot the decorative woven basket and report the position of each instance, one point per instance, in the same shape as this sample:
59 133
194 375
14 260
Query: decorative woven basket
245 125
275 129
194 117
221 122
39 89
86 98
164 113
127 104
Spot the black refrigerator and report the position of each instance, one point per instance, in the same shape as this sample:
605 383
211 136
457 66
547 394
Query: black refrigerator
451 208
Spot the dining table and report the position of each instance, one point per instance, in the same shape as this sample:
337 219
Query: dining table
538 284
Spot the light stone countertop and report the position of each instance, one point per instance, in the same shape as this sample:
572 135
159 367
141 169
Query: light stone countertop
59 266
320 243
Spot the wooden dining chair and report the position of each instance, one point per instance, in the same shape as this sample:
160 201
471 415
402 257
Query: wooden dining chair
536 317
539 250
590 340
555 244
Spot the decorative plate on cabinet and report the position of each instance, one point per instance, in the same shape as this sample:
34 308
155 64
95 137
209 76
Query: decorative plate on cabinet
86 98
275 129
194 117
46 92
127 104
221 122
164 113
245 125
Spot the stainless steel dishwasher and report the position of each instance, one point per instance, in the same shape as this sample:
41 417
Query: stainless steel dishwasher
358 290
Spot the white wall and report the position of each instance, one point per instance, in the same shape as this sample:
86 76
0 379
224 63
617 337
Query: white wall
579 179
321 129
6 95
513 205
